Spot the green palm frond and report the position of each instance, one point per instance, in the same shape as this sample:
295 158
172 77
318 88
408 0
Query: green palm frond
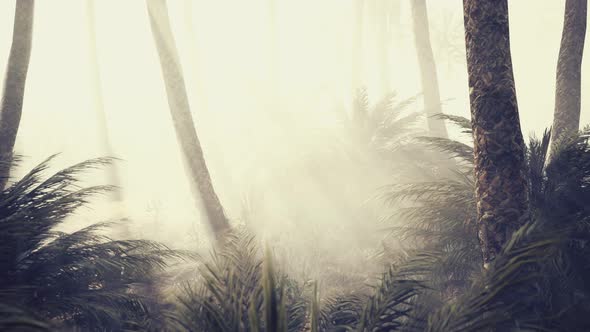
463 123
241 291
14 319
82 278
508 295
454 149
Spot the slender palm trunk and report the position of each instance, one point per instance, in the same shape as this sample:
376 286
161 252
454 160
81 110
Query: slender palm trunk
428 75
195 62
182 118
11 106
98 103
566 118
500 170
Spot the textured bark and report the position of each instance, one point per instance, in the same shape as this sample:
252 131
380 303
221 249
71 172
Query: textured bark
500 170
14 81
98 103
428 75
566 117
182 118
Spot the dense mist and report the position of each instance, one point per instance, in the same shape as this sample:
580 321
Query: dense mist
250 144
275 89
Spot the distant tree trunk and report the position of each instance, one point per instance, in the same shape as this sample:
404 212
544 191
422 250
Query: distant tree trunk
566 118
182 118
428 75
14 81
357 46
195 60
98 103
500 170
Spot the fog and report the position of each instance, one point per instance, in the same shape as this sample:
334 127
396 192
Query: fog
272 138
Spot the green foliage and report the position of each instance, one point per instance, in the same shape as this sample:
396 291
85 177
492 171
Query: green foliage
85 280
386 125
82 278
240 291
536 283
13 319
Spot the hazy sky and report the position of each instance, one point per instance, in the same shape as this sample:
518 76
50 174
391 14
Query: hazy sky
225 52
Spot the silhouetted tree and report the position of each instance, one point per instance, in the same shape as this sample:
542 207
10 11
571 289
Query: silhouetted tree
428 75
14 81
499 150
566 118
181 116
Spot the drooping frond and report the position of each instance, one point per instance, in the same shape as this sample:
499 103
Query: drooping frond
507 296
454 149
461 122
82 278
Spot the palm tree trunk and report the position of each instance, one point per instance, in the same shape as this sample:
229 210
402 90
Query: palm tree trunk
566 118
500 170
196 62
14 82
182 118
428 75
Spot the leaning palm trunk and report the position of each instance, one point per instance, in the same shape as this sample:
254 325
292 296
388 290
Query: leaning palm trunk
182 118
566 118
428 75
14 81
500 170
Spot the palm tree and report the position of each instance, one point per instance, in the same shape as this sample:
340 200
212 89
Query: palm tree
182 118
81 279
11 106
500 170
566 118
240 291
428 75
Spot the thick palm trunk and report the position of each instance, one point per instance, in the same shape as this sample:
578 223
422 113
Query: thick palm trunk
428 75
500 177
97 101
566 118
14 81
182 118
